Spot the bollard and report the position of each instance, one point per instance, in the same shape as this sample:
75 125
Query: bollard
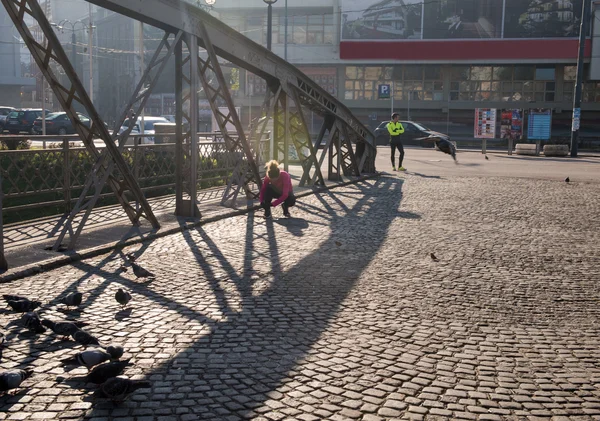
510 146
484 146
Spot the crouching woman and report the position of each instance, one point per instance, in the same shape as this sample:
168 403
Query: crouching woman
277 184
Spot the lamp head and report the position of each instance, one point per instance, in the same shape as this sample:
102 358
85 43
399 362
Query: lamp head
210 2
270 2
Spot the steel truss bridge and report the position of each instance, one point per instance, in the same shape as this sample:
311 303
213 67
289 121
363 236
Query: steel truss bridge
187 29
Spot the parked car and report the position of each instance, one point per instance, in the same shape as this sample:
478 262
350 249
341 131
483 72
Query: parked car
59 123
4 112
22 120
149 122
414 134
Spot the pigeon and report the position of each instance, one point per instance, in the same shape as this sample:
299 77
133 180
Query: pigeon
337 243
118 388
486 157
131 257
9 297
115 351
433 257
105 371
84 338
23 306
140 272
72 299
12 379
88 358
63 328
122 297
33 322
446 146
567 179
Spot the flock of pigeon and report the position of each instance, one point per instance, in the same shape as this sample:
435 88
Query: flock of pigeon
102 361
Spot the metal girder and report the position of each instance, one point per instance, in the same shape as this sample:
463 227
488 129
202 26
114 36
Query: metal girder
53 52
241 51
187 87
349 164
264 118
335 151
103 167
216 89
298 132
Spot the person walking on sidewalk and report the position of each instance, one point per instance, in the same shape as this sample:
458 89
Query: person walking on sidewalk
395 128
277 184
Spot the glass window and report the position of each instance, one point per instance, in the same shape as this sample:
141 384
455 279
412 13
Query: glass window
460 73
524 73
570 73
413 73
503 73
545 73
433 73
298 24
481 73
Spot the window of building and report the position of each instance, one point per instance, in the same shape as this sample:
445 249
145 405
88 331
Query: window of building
304 28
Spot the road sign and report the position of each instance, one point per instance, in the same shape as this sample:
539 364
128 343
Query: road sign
540 124
384 91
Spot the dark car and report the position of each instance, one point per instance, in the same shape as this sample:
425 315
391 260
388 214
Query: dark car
22 120
4 112
59 123
415 134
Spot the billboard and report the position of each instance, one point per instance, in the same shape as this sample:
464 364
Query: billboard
511 124
381 19
485 123
459 19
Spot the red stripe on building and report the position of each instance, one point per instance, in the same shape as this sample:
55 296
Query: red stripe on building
527 49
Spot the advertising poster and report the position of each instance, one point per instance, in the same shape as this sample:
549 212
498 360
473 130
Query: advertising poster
447 19
485 123
542 18
540 124
381 19
511 124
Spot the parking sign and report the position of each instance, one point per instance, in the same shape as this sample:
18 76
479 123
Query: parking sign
384 91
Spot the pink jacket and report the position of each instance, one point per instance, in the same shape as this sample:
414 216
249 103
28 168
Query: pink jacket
283 184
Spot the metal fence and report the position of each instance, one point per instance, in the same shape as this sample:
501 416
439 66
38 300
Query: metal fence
54 175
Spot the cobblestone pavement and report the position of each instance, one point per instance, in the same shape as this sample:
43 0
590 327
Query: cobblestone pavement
341 314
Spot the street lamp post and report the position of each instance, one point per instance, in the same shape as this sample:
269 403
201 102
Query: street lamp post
270 4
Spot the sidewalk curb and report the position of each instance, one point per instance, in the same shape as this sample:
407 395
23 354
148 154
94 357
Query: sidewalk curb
57 262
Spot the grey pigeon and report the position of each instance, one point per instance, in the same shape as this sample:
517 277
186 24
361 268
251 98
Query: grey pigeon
115 351
140 272
446 146
88 358
567 180
33 322
63 328
105 371
122 297
12 379
433 257
10 297
23 306
486 157
118 388
72 299
84 338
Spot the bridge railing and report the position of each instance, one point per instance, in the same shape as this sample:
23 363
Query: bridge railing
40 182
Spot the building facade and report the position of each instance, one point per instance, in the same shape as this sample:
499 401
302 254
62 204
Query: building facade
443 59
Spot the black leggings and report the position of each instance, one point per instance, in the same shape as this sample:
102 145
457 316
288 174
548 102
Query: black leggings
271 194
398 145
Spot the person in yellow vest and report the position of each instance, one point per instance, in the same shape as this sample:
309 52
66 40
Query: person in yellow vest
395 128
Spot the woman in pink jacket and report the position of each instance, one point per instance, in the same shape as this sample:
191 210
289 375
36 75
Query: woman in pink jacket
277 184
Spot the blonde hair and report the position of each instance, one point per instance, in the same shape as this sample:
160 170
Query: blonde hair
272 169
